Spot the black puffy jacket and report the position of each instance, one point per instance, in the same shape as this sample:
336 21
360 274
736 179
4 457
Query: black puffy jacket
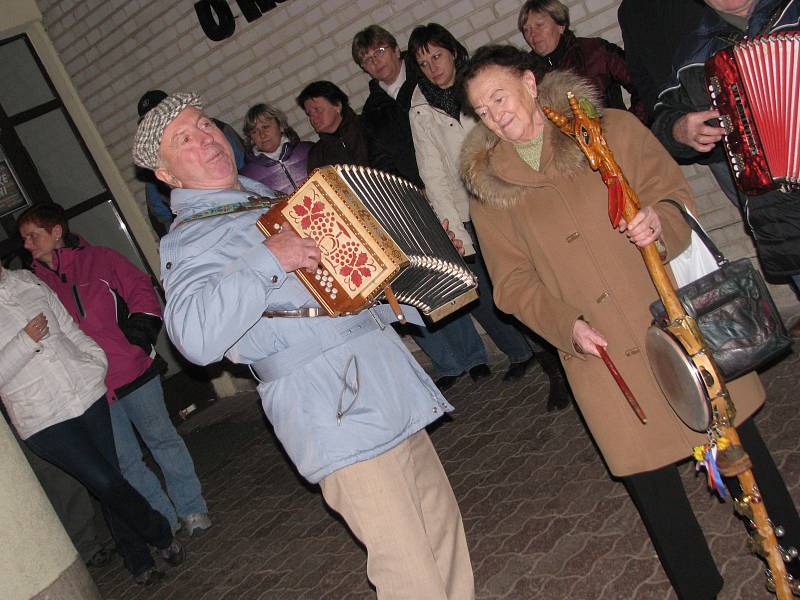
345 146
774 217
391 147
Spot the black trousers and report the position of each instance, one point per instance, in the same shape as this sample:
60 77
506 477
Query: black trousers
84 448
679 542
73 505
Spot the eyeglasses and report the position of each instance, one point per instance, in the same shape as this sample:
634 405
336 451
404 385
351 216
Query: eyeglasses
369 60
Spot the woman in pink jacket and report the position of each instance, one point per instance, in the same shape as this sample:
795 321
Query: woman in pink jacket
51 383
114 303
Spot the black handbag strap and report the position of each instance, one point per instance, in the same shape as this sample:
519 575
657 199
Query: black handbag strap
719 257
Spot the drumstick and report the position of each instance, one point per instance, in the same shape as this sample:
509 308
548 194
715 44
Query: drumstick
626 391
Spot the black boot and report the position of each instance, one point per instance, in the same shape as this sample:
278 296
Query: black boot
517 370
560 395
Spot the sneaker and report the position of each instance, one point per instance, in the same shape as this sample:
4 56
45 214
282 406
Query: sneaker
151 576
195 524
99 558
174 554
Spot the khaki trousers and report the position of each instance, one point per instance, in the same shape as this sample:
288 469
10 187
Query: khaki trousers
402 508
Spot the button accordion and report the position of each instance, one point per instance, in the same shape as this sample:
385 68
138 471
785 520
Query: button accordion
374 230
754 86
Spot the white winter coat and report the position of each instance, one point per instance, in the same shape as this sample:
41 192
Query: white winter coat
437 142
56 379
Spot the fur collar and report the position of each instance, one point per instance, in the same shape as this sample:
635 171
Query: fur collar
502 189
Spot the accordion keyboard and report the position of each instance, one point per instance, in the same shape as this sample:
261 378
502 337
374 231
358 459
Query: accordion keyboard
374 230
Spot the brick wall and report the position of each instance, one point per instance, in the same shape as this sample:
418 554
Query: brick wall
114 50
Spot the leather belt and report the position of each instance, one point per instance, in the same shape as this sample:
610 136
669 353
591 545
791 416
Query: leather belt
331 334
384 310
312 311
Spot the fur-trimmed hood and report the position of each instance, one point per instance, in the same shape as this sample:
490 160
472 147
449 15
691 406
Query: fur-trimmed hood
504 188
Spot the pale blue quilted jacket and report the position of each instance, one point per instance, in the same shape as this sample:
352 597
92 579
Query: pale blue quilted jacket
348 404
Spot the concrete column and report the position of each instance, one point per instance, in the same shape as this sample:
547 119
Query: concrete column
37 559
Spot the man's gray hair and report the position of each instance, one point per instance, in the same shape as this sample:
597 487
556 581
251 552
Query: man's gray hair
147 140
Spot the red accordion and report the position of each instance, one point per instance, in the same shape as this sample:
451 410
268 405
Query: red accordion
754 86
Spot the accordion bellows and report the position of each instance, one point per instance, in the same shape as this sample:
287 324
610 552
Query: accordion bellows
754 85
373 230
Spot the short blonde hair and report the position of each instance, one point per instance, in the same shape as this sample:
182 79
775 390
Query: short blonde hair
272 112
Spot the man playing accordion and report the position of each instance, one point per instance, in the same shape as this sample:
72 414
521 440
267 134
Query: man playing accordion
691 133
347 400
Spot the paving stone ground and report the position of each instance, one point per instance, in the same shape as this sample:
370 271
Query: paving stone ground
543 518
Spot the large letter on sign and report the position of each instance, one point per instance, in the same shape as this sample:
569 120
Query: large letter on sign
252 9
215 18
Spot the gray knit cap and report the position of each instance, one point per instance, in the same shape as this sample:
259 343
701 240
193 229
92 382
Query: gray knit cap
147 140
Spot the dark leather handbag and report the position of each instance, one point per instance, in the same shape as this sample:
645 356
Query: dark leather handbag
734 310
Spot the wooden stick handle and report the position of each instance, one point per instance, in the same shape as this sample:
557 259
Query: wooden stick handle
626 391
392 299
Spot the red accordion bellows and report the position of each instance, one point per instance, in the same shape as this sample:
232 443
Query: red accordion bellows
754 86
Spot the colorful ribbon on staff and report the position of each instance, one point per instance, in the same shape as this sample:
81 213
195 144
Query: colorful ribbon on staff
706 457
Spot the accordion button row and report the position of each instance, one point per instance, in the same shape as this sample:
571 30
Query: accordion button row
326 281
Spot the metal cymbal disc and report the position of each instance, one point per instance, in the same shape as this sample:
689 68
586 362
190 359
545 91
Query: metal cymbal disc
680 380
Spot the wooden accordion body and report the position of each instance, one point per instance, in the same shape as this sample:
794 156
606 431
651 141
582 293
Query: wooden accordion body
754 85
373 230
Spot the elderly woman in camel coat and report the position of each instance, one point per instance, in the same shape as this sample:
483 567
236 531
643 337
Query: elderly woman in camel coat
558 266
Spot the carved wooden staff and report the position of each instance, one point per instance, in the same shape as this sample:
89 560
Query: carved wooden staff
732 460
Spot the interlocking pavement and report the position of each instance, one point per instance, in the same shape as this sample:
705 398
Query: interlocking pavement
543 518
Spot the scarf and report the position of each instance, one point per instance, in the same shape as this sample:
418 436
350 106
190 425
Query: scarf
445 100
